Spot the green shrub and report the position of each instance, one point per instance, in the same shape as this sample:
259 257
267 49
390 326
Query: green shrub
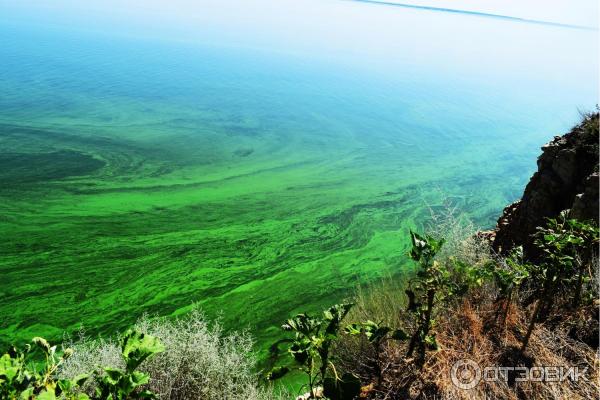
19 377
565 245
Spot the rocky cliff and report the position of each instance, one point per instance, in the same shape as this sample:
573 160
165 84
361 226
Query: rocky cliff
567 178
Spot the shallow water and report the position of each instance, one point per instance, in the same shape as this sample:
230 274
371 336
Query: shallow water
259 170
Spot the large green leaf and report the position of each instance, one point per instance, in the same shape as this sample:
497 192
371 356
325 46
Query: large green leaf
334 316
137 347
26 394
46 395
9 367
139 378
113 376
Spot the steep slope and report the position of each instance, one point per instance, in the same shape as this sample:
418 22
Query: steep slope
567 178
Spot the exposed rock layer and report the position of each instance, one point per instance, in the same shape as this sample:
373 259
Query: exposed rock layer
567 178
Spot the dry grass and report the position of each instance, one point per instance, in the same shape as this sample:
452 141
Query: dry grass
461 241
467 329
199 361
383 303
469 333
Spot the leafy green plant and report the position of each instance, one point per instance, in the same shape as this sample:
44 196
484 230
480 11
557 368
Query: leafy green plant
310 349
565 244
377 335
117 384
20 379
585 245
508 276
14 376
431 285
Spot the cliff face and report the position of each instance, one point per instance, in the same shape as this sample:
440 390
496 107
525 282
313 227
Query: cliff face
567 178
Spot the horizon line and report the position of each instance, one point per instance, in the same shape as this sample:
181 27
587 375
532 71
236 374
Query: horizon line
475 13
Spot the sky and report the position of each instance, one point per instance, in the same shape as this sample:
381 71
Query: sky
580 12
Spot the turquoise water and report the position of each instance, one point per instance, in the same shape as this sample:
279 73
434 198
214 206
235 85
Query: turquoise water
257 166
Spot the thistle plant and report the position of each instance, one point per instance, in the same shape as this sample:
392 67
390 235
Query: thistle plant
310 349
431 284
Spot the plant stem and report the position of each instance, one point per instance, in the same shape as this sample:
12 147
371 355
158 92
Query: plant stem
534 316
413 341
577 296
426 324
531 326
506 307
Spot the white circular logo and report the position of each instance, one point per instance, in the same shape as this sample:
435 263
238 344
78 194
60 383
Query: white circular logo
466 374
